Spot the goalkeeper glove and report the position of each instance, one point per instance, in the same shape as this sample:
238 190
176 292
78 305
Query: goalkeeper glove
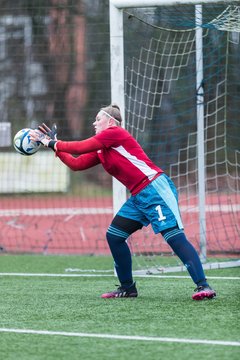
52 133
38 136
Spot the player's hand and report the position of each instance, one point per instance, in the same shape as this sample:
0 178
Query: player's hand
38 136
52 133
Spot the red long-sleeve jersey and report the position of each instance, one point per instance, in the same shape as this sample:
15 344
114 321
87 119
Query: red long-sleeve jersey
117 151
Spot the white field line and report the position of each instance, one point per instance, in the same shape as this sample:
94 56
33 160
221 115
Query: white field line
55 275
107 210
121 337
112 275
55 211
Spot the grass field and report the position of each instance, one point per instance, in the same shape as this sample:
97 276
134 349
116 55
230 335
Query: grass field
63 317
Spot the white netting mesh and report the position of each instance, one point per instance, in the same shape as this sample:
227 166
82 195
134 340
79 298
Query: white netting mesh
161 107
229 20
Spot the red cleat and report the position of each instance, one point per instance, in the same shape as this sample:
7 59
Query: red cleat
203 292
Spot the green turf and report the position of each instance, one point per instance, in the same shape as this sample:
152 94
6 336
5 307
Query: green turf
59 263
163 309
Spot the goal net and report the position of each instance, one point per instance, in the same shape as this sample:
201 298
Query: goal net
181 99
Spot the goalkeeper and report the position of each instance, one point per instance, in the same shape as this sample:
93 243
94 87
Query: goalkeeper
153 197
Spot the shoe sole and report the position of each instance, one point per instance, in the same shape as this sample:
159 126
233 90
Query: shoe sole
112 296
204 295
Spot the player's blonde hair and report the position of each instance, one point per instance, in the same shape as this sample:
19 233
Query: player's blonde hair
113 111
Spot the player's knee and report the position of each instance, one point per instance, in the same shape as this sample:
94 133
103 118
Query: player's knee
108 236
115 235
172 234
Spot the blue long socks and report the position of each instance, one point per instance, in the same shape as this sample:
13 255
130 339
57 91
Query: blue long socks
177 241
121 254
187 254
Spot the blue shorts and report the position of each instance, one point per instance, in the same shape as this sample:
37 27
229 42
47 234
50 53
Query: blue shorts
156 204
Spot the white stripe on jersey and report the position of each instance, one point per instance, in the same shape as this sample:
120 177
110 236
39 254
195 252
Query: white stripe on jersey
140 164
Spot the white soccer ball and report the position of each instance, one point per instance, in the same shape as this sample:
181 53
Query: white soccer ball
23 144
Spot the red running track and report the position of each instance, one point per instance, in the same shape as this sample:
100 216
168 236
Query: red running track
77 226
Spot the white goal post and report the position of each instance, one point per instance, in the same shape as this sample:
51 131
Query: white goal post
118 96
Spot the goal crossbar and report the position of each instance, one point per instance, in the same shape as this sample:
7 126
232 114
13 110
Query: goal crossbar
121 4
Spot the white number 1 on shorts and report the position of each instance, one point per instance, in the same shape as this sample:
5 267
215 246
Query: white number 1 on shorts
160 214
